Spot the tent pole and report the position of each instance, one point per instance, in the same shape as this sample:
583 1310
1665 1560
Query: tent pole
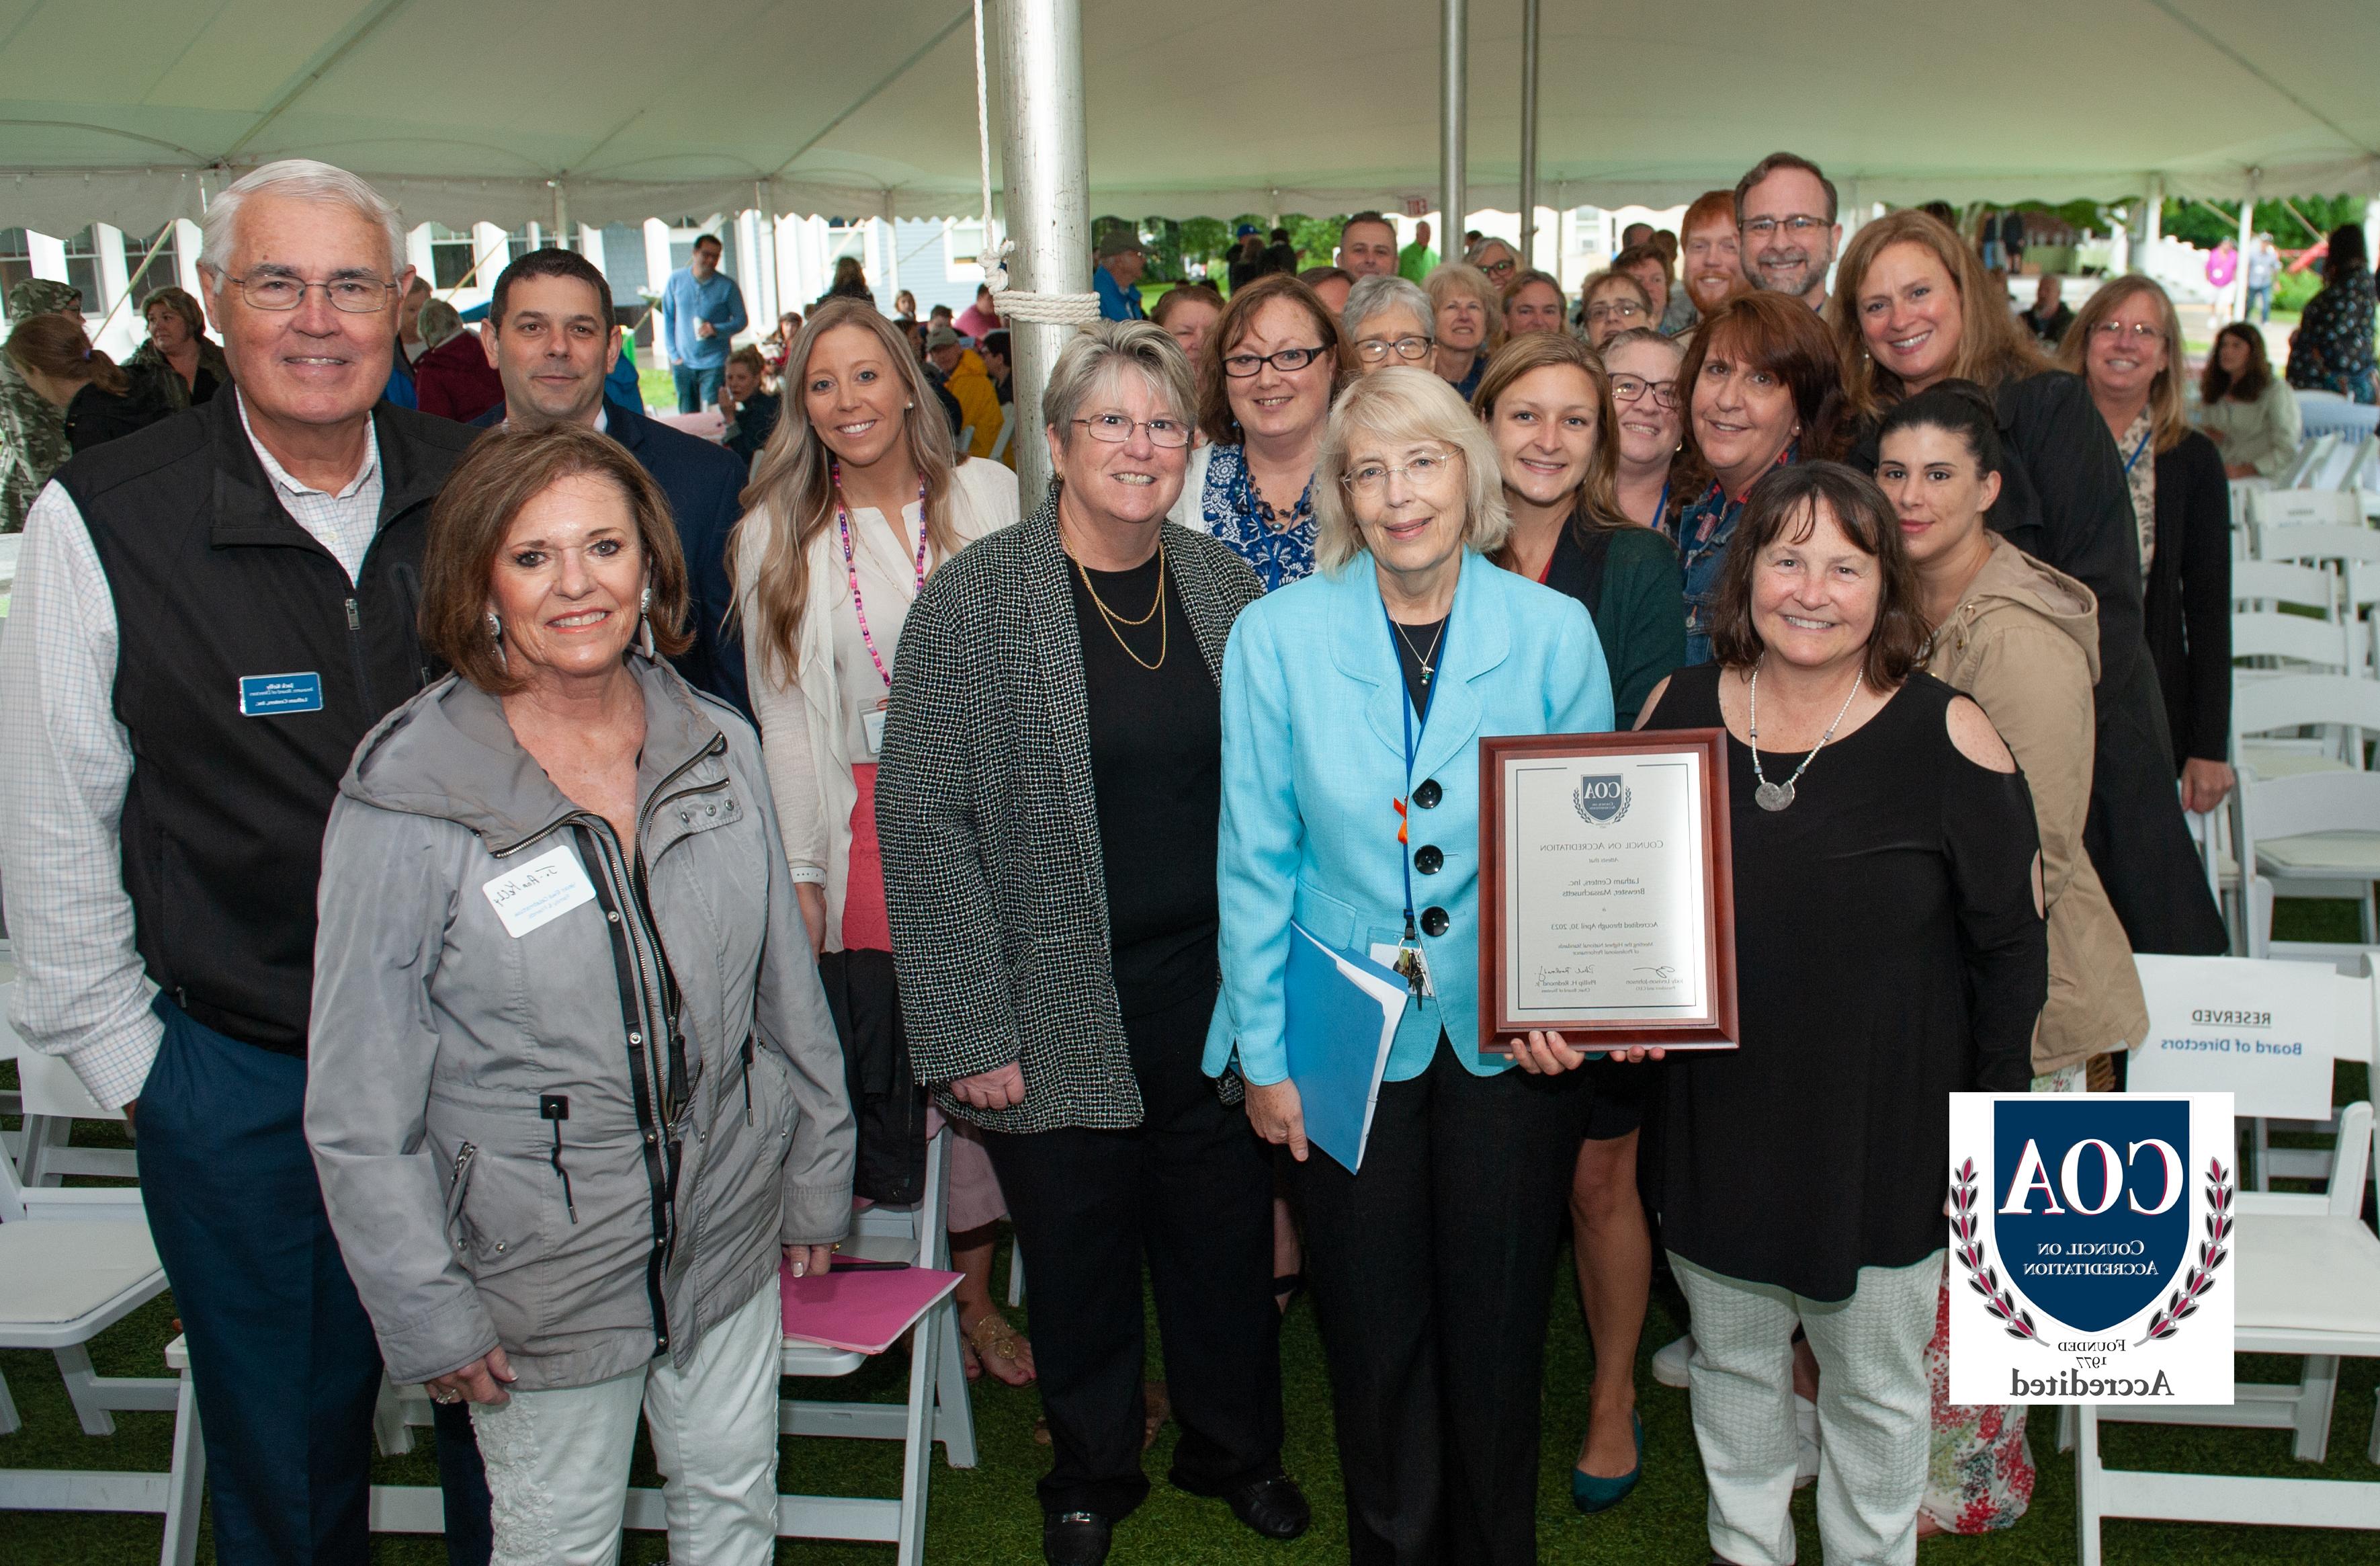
1529 36
1454 79
1048 180
565 237
2151 226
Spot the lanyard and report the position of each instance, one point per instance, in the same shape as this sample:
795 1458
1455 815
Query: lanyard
1413 748
851 567
2136 454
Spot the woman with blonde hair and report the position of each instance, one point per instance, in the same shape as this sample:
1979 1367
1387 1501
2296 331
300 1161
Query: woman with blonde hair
1428 1266
1912 307
854 503
1468 323
2127 346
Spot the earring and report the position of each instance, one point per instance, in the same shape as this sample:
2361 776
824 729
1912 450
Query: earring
645 626
496 630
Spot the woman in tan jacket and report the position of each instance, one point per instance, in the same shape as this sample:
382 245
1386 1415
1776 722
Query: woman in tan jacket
2023 639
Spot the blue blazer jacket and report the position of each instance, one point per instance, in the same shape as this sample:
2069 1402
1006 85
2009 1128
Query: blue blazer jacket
1314 759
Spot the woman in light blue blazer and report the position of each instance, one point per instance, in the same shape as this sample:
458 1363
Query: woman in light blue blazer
1352 706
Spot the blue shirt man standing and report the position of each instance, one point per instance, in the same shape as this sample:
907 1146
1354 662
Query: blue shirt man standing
701 311
1121 262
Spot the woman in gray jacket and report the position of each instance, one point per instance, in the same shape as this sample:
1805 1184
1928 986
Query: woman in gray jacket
573 1082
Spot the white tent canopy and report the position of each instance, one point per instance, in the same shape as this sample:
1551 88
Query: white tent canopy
465 110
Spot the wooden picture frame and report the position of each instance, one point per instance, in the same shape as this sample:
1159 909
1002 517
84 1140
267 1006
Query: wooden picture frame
1612 879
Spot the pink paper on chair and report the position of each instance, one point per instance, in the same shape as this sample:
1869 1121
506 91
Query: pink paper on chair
863 1312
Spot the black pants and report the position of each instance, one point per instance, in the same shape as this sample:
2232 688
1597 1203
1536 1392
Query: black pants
1431 1274
1190 1191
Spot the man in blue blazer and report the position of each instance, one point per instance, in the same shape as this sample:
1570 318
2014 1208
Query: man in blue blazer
549 333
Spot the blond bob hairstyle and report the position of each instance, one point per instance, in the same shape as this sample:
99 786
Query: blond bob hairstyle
2168 421
1403 406
1992 349
1444 281
506 468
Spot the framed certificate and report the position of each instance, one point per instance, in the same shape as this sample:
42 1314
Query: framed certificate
1607 889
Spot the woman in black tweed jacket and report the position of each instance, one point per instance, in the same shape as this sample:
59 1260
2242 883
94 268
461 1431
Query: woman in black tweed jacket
1048 799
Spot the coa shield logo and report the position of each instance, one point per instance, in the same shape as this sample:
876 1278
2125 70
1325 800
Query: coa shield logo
1601 801
2093 1208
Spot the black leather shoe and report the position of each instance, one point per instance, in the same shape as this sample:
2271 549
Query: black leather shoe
1077 1538
1274 1507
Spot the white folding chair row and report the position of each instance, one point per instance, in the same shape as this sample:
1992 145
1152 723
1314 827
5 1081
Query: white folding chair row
2286 506
2323 542
2307 1272
936 1410
2338 468
72 1265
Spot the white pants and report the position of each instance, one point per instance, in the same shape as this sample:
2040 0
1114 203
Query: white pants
558 1461
1873 1412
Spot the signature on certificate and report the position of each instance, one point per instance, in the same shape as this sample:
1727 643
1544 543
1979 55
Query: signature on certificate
1664 972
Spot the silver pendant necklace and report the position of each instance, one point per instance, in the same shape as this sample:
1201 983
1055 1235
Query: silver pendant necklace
1427 668
1777 796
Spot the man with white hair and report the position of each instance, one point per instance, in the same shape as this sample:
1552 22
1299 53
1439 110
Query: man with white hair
208 616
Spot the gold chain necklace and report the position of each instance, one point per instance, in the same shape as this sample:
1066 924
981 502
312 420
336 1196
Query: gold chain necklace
1155 612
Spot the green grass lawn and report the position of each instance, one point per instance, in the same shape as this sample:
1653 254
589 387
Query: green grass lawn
987 1515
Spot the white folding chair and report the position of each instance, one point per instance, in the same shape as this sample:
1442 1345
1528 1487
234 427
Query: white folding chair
936 1409
2314 835
72 1265
2335 470
2262 585
52 1099
2311 457
2363 468
2269 715
2294 643
2285 506
2320 542
2307 1273
1007 433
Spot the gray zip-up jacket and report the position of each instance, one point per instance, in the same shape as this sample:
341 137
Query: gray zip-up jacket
456 1048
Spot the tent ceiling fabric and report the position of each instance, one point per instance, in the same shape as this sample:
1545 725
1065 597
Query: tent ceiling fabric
465 110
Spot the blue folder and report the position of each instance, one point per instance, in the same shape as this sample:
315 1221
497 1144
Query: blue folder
1339 1015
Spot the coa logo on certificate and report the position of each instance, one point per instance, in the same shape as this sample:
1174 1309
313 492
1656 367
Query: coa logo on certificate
2091 1247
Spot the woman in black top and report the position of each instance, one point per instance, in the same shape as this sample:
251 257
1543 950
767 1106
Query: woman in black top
1912 307
2127 346
103 402
1047 800
1889 951
1547 404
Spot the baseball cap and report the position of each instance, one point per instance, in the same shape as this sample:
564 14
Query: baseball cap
1119 242
942 337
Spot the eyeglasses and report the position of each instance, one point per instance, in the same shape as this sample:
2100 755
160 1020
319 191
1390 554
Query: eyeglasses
1500 270
1373 477
1241 366
1115 429
1798 226
354 296
1630 388
1376 350
2142 331
1617 309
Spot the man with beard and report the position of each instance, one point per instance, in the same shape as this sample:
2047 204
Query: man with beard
1785 218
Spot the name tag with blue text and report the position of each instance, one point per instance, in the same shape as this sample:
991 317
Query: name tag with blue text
270 696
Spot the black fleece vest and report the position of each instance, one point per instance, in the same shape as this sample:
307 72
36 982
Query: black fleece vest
213 582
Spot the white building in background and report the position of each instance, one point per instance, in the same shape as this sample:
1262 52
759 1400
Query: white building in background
784 264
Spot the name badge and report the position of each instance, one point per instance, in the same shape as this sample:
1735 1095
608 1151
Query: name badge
270 696
539 892
872 723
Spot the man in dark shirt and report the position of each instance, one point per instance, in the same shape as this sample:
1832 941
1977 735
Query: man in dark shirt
2050 316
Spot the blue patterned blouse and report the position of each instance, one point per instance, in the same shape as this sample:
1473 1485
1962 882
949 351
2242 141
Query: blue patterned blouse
1239 517
1702 530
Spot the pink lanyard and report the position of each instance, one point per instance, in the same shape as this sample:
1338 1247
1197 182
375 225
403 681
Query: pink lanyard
851 567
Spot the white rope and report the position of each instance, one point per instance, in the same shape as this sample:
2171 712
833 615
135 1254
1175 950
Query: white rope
1014 304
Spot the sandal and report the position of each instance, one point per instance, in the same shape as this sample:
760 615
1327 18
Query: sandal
993 1343
1157 1408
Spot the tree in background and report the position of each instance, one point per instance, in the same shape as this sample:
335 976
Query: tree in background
2204 223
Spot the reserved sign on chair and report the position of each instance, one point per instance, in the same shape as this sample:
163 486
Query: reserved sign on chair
2264 1032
